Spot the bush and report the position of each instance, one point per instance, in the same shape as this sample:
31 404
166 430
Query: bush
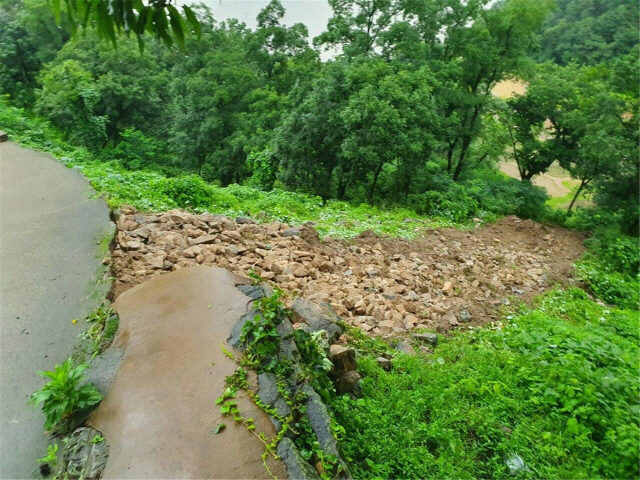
491 193
619 253
135 151
64 394
610 286
188 191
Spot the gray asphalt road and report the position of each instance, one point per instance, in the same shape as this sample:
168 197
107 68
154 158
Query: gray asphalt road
49 234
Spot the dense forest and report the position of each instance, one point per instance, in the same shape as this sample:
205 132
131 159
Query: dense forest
403 114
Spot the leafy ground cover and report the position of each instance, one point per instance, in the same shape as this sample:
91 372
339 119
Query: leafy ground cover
557 385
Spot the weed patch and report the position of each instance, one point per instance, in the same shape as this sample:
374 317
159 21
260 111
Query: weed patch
64 395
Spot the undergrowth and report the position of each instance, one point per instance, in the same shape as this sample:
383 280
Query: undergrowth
558 386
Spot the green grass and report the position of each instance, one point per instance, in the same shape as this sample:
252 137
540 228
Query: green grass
562 203
558 386
149 190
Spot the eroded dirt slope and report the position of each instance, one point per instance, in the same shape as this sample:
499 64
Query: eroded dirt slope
443 280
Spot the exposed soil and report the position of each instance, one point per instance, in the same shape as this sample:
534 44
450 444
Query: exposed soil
444 279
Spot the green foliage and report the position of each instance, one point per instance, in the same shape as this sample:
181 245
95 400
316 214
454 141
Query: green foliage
64 394
136 151
104 325
557 385
156 17
620 253
610 286
51 456
188 191
490 195
590 31
399 109
264 166
262 353
260 334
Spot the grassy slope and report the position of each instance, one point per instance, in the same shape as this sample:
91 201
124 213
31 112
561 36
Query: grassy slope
557 385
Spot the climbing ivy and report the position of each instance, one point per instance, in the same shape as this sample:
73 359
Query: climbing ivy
262 340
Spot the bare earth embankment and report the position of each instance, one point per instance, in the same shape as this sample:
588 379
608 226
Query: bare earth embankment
383 286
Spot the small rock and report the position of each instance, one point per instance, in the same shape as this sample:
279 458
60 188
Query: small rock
82 457
297 467
405 348
290 232
343 359
430 338
450 318
315 317
447 289
244 220
385 363
348 383
204 239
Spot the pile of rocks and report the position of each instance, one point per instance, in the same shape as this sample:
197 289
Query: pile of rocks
382 286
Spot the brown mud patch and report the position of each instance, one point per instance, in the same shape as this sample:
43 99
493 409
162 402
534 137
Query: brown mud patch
159 414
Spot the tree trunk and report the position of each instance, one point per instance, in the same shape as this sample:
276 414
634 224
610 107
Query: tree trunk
342 188
375 181
463 151
575 197
452 147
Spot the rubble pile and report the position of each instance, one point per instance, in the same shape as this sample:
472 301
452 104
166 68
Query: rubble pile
383 286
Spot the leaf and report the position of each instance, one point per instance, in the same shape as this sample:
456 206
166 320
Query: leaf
572 425
176 24
191 18
219 428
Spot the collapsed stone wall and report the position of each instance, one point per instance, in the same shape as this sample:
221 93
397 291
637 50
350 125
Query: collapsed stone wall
312 318
387 287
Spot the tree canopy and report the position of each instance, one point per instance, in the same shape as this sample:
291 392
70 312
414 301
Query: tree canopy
402 113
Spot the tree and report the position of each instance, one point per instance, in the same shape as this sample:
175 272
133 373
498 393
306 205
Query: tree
131 87
307 143
29 38
590 31
208 91
538 125
69 98
495 46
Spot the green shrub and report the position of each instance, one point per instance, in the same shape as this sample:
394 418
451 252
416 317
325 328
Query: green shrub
455 204
610 286
188 191
64 394
619 253
136 151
